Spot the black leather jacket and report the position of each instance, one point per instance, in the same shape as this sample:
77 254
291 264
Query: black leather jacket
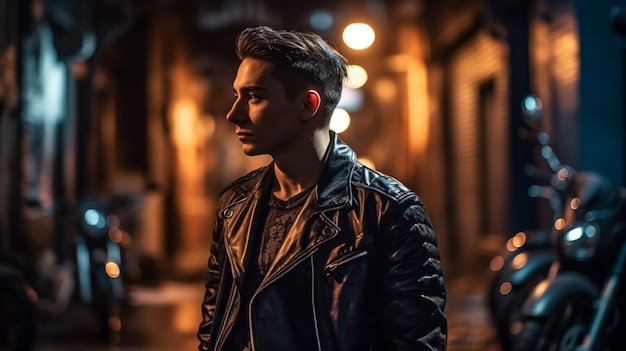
359 269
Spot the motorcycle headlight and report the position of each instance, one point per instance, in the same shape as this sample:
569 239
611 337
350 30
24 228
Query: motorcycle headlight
94 222
580 241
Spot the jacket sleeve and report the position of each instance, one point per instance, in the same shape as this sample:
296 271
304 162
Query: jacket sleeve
210 295
412 293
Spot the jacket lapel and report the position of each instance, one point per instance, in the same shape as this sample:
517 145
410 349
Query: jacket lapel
243 217
309 230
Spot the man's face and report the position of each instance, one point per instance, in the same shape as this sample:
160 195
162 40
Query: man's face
265 121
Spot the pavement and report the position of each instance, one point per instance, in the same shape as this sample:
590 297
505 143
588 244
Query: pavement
164 316
470 327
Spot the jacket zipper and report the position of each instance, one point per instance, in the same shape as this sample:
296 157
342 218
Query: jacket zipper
347 259
285 270
314 306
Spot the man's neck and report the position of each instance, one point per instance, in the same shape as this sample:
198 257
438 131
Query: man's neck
299 170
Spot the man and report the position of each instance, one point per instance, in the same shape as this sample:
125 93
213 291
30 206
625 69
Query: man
314 251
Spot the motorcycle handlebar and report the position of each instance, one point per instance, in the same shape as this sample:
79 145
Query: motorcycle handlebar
541 138
539 176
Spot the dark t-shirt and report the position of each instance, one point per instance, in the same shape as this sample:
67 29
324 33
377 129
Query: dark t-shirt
280 216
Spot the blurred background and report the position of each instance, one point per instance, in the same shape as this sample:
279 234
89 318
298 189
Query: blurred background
124 102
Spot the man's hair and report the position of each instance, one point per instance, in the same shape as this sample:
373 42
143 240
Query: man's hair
298 60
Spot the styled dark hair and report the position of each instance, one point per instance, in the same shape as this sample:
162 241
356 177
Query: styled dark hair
298 59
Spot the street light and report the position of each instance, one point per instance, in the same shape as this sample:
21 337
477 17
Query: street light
340 120
357 76
358 36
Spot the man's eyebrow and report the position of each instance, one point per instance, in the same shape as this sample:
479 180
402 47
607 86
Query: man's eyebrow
252 88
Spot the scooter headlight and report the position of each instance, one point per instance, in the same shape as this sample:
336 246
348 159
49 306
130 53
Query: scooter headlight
580 242
94 222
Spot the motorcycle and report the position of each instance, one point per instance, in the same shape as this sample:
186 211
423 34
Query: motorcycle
578 305
528 255
100 248
33 293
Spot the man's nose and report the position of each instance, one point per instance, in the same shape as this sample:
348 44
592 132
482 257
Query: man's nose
237 112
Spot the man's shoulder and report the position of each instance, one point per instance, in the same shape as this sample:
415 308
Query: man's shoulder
380 182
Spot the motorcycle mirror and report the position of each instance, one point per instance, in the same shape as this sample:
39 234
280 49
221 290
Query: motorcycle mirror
532 108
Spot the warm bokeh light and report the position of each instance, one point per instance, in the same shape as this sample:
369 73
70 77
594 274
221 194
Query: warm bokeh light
358 36
505 288
496 263
559 224
519 239
516 328
32 294
510 245
116 235
562 174
540 288
357 77
113 269
386 90
520 261
115 324
185 122
340 120
184 317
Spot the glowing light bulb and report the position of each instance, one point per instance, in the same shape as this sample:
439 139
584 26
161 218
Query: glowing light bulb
358 36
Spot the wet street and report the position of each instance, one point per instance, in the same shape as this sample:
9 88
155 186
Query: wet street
160 317
164 317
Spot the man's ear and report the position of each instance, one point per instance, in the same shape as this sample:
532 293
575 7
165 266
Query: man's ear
311 105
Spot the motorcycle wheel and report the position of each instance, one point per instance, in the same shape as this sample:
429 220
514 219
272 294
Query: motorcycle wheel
564 330
17 316
508 313
498 303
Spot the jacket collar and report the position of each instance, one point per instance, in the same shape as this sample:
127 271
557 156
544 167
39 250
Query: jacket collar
333 186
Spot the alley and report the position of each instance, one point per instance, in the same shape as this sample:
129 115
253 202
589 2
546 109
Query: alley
164 316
